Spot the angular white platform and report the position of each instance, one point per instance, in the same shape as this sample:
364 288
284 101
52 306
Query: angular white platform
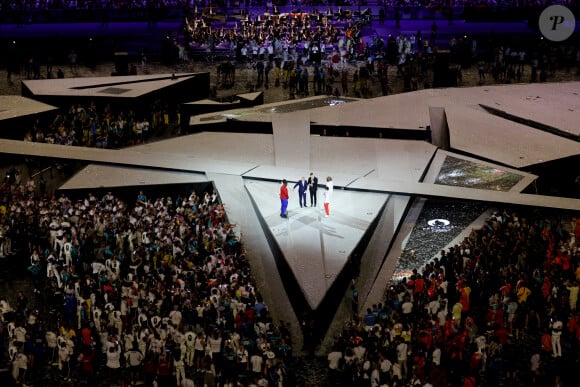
316 247
94 176
473 129
263 113
128 86
135 156
13 106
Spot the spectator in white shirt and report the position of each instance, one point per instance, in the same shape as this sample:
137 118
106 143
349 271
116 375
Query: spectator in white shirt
402 349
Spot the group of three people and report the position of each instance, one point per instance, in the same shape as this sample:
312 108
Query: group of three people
306 186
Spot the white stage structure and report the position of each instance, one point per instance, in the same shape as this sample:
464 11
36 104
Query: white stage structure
304 263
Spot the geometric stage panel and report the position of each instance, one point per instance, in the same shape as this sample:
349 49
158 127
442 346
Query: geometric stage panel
315 247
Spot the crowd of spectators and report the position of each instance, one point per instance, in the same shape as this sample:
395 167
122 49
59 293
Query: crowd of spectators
509 64
92 126
500 308
307 36
318 49
148 290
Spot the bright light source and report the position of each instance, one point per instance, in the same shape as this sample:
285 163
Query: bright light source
439 225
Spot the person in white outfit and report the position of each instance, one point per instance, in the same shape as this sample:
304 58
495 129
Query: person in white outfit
19 366
189 348
114 361
97 313
134 358
402 349
328 195
116 322
64 355
179 368
557 326
52 270
67 250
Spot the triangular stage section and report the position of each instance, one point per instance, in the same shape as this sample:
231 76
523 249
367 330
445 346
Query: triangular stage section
316 248
133 91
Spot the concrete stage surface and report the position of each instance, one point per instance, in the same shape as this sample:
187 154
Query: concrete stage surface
513 125
13 106
128 86
135 92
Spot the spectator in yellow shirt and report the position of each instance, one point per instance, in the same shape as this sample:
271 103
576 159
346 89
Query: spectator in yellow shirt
523 293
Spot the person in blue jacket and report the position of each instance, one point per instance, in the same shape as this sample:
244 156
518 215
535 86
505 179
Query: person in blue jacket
302 185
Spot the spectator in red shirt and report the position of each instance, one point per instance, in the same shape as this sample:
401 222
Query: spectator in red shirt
419 285
86 335
502 335
164 370
85 360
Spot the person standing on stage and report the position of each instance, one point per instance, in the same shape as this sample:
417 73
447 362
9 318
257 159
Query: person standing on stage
284 199
312 187
329 183
327 196
302 188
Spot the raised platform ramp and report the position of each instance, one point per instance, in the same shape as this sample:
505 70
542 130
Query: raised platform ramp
462 193
504 141
129 157
135 92
13 106
183 162
95 176
18 114
126 86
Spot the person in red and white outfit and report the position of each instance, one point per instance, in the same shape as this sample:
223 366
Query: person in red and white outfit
328 196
